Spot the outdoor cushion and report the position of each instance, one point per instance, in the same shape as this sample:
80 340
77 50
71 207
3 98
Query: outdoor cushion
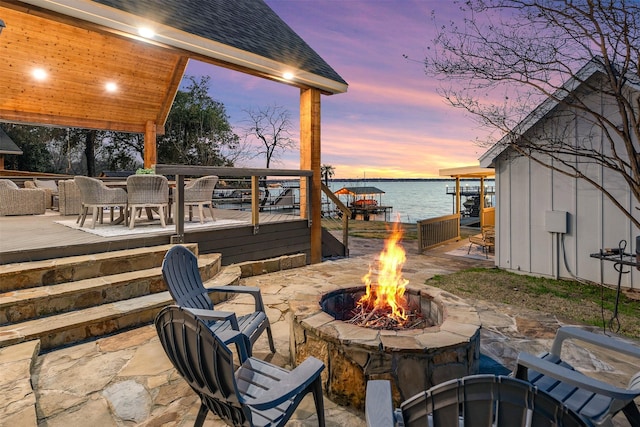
46 185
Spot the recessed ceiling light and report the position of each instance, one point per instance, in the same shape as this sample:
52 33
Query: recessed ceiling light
39 74
111 87
146 32
287 75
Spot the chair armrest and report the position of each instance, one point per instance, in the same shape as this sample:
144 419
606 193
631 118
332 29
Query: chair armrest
215 315
294 383
252 290
239 339
527 361
378 408
604 341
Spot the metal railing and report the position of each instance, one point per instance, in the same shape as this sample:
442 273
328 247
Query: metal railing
345 214
437 231
255 176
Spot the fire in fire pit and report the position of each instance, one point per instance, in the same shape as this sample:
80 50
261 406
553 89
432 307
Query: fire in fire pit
384 305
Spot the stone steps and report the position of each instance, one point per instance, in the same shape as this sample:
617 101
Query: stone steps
70 284
26 275
76 310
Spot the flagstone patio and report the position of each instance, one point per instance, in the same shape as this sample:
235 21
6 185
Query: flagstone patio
126 379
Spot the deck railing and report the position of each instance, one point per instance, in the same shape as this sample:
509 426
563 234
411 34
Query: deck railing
437 231
256 175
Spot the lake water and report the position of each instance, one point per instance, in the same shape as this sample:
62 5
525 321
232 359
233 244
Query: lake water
412 200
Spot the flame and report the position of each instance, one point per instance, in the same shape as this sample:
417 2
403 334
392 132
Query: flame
388 293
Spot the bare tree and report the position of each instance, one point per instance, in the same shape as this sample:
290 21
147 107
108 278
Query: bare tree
505 57
271 128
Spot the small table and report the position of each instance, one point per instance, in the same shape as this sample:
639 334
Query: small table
620 258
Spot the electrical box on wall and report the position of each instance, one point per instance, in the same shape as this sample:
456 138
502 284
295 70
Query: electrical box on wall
556 221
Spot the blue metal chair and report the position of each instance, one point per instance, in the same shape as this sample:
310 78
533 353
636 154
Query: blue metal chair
180 272
593 399
476 400
257 393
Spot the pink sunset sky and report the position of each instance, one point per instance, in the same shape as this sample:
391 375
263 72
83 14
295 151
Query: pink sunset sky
391 123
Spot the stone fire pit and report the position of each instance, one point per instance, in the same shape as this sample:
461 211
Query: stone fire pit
412 359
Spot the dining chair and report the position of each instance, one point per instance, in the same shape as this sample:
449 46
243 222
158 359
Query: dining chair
148 192
96 195
199 193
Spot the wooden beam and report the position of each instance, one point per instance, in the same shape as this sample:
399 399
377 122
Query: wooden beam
150 151
310 159
171 92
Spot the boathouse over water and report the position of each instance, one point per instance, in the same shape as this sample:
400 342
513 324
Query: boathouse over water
362 200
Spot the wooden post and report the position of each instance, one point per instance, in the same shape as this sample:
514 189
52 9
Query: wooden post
458 196
150 152
481 201
310 160
255 203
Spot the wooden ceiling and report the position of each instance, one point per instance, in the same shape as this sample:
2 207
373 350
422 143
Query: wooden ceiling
79 60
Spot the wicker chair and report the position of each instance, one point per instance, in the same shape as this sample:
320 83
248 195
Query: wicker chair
95 194
21 201
49 186
199 193
69 198
148 191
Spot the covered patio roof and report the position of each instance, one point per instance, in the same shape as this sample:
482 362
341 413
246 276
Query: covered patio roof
468 172
81 63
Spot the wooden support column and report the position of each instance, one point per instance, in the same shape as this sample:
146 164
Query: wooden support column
458 196
310 160
150 151
481 201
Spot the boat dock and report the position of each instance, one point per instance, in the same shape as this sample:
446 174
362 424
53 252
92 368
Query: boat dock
365 201
471 204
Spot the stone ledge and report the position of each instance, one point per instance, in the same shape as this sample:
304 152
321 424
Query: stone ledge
271 265
16 361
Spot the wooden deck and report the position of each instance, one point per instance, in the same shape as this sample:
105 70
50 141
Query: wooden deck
38 237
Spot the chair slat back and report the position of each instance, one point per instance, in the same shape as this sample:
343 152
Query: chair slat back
204 361
180 272
487 400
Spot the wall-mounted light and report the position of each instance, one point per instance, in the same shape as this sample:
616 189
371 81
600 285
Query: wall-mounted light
2 25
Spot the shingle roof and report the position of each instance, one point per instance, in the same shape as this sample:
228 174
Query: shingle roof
249 25
7 146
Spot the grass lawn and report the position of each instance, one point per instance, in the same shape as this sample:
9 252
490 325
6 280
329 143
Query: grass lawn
569 300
